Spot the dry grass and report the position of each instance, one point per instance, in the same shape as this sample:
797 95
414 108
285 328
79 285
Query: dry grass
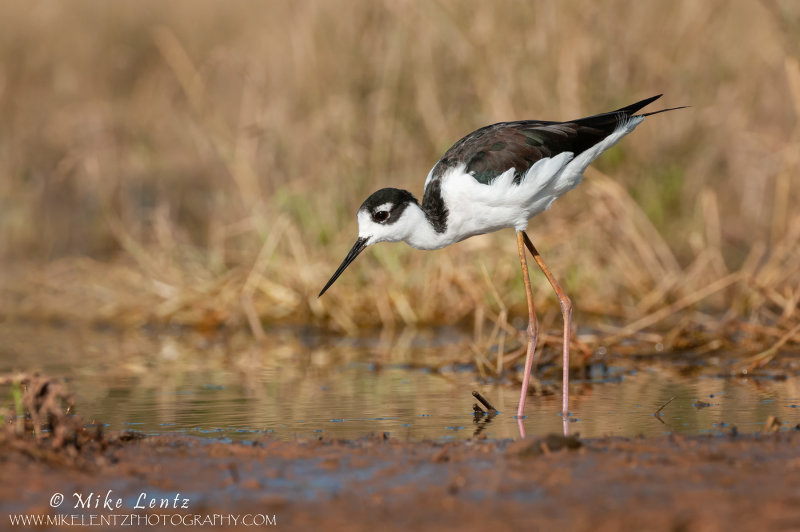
200 163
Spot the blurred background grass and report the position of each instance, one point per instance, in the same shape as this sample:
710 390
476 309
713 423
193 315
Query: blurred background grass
199 162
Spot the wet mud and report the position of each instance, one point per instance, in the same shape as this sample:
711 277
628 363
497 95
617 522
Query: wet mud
697 483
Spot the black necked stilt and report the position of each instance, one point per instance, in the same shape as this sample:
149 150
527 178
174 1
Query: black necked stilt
496 177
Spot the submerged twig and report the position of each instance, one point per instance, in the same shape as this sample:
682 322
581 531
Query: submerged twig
480 418
477 395
657 413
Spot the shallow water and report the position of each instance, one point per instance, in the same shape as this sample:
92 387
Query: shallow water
299 387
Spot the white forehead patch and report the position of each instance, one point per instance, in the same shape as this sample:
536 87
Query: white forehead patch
384 207
364 220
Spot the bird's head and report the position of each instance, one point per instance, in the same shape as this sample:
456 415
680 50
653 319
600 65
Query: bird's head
380 219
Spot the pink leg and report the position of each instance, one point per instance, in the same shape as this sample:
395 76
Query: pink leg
566 313
533 331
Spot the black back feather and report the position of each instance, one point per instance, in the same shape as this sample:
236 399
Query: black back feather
491 150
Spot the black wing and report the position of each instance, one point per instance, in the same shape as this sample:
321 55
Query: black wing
491 150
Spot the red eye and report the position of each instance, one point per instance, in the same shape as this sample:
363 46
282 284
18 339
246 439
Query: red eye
380 216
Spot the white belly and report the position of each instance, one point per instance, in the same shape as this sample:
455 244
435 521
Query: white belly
475 208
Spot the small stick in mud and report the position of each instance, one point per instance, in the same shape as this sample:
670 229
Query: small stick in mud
477 395
657 413
477 410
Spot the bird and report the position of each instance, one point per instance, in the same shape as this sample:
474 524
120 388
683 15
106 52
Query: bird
498 177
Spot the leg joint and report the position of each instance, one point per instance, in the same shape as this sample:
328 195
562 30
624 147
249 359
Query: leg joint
566 305
533 328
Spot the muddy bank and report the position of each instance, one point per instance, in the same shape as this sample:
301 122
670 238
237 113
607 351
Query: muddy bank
673 483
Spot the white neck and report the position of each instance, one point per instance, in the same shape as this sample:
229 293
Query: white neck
419 232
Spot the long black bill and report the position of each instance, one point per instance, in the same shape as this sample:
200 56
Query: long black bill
358 247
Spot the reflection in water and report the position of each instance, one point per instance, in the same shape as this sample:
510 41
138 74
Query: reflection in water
481 420
300 387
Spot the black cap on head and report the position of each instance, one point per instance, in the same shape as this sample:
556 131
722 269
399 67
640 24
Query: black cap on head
395 196
398 200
